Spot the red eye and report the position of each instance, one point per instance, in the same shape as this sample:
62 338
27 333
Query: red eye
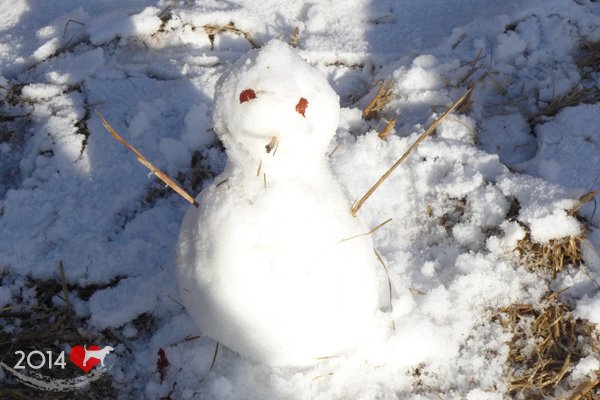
301 106
246 95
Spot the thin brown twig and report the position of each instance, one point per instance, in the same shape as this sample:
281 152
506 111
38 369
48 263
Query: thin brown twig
367 233
474 67
334 150
67 24
322 376
175 301
586 198
142 160
222 182
387 273
456 104
214 359
63 282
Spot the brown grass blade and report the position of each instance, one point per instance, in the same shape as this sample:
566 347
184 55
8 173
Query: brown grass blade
387 129
387 274
63 282
586 198
367 233
214 359
294 37
456 104
161 175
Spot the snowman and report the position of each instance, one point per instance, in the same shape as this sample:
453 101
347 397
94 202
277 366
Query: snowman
263 264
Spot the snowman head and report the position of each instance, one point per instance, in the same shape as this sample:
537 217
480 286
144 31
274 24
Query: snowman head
273 102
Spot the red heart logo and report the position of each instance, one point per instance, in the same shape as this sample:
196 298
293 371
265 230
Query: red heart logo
77 356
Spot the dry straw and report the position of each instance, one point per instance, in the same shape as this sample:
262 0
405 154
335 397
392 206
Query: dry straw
549 258
586 198
457 103
387 129
212 29
389 281
546 343
294 37
381 98
161 175
552 257
367 233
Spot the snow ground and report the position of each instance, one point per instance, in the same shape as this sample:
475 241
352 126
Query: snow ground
70 192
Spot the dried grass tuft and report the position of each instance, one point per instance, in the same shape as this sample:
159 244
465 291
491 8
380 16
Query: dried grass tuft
546 343
590 62
212 29
552 257
294 37
577 95
382 97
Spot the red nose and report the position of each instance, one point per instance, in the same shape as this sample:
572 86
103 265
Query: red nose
301 106
247 95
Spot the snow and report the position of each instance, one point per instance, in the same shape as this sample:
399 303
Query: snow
197 133
554 226
121 25
5 296
589 308
79 67
504 167
569 139
585 367
508 136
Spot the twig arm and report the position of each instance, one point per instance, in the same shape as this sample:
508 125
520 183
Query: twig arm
161 175
360 202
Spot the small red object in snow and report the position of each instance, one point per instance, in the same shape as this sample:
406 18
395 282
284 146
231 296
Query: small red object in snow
246 95
162 364
301 106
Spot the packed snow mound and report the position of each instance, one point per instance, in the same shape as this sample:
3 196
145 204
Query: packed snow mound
568 148
267 263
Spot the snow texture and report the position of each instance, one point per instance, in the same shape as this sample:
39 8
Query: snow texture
507 166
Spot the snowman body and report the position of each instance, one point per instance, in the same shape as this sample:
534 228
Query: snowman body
264 266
